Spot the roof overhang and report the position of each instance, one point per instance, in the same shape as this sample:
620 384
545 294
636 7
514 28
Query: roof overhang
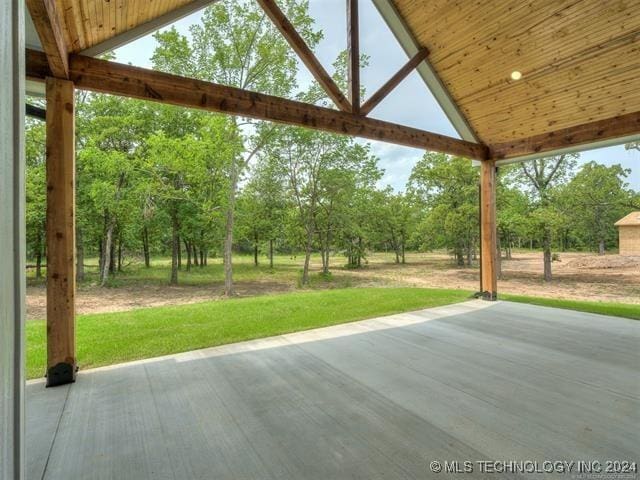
552 131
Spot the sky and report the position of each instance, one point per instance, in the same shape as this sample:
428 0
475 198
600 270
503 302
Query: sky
409 104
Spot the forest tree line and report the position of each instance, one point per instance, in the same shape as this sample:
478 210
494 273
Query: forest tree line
156 180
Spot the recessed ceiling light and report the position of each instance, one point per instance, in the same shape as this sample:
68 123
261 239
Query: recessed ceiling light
516 75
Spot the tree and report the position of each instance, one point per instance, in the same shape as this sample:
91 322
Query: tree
447 187
262 207
180 172
237 45
540 178
36 191
108 164
597 196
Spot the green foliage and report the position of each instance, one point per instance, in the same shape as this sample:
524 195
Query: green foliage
36 191
601 196
156 180
447 187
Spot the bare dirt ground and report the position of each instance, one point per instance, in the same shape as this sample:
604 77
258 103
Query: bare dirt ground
577 276
94 299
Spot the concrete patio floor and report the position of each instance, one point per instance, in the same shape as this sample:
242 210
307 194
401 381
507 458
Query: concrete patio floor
376 399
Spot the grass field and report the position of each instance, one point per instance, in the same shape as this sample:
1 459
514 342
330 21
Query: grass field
135 273
603 308
105 339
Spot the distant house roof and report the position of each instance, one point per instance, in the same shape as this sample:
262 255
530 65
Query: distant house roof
632 219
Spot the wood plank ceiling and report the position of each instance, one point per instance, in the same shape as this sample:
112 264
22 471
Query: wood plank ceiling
579 59
91 22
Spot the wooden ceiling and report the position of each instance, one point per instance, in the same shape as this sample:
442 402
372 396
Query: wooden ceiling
91 22
579 59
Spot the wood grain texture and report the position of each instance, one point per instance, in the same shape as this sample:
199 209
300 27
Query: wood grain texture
488 228
61 277
600 130
353 55
91 22
580 60
629 242
393 82
110 77
305 54
50 27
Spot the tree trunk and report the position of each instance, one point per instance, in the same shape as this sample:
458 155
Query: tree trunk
325 267
145 247
112 256
175 247
402 248
187 247
395 250
195 254
229 289
601 247
79 256
255 250
271 253
39 256
100 257
203 260
546 245
106 250
498 257
120 252
307 256
179 253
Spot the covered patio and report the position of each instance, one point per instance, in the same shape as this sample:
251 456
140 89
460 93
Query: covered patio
380 398
377 399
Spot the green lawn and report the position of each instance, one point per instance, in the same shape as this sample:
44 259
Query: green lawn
105 339
134 273
625 310
287 271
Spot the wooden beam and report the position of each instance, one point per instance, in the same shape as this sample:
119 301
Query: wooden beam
36 65
353 55
118 79
49 25
61 277
488 230
393 82
301 48
35 112
601 130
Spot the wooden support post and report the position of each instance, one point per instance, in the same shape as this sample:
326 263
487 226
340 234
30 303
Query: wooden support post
353 54
61 276
488 230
